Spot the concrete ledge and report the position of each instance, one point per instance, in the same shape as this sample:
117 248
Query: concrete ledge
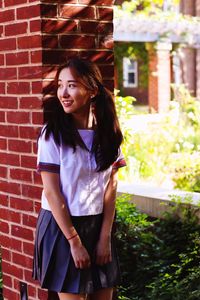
154 200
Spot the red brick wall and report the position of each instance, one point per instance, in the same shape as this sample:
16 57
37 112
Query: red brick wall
153 81
198 57
159 77
140 94
189 64
190 61
34 38
77 27
187 7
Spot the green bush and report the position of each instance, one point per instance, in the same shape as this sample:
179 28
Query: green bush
187 172
166 149
160 259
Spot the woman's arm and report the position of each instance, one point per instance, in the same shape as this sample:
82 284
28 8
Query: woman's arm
51 184
103 250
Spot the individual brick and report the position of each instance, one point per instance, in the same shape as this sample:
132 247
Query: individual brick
58 26
77 42
77 12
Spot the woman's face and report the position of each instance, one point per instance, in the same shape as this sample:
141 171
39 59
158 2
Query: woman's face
73 95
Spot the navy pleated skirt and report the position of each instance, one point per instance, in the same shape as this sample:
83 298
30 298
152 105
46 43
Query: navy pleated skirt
53 264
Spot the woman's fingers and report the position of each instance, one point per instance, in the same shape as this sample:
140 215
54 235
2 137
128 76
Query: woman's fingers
85 264
103 251
82 262
102 260
80 255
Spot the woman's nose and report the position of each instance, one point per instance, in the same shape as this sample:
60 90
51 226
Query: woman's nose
65 92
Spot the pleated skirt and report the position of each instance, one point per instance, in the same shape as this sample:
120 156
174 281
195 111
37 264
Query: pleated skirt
53 264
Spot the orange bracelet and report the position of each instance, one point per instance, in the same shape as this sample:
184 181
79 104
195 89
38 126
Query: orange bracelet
73 236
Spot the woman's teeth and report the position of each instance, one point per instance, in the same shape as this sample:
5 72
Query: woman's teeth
67 103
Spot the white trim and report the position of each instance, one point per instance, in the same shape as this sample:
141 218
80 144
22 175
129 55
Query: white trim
154 200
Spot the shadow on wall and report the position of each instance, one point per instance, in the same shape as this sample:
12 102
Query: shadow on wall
84 31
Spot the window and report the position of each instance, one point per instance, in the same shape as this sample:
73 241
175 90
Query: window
130 72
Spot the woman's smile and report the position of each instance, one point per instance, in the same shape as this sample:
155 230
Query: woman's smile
67 103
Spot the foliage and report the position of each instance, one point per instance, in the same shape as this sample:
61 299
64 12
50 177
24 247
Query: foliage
188 105
124 107
187 167
166 148
165 16
160 258
187 172
146 5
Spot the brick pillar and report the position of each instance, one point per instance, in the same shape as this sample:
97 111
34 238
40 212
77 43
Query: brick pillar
198 73
187 7
189 69
159 76
34 38
198 57
197 8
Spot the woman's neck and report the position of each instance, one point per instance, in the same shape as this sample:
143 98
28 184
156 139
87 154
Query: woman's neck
83 120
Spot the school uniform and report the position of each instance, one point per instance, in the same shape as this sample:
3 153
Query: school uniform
83 189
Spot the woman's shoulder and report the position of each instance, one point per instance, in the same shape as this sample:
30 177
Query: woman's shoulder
46 135
42 131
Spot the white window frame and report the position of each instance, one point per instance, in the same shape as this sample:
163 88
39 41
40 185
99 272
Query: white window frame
126 71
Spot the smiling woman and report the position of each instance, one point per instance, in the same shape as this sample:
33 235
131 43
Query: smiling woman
78 158
74 96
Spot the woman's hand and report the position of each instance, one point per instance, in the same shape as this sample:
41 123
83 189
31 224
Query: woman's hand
103 251
79 253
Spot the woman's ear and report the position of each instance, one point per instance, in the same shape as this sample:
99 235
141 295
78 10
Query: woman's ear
94 93
92 121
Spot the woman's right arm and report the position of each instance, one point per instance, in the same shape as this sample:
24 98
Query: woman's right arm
51 185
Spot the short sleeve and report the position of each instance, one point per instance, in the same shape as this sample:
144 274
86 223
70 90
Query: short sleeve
120 161
48 158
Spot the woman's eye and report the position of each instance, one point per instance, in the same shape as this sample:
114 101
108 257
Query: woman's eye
71 85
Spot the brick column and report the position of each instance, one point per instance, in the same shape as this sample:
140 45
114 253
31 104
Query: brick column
188 7
198 57
197 8
189 69
34 38
159 76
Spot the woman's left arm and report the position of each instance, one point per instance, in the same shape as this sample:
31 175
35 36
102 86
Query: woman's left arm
103 249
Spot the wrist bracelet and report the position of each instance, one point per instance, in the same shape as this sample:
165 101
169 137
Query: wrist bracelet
73 236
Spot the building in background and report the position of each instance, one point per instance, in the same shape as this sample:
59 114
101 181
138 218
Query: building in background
168 51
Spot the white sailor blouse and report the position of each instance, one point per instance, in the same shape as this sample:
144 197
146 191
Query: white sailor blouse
81 185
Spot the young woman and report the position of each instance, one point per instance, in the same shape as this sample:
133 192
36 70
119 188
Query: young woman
78 158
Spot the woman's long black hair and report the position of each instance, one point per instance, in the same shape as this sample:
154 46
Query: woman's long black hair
108 136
